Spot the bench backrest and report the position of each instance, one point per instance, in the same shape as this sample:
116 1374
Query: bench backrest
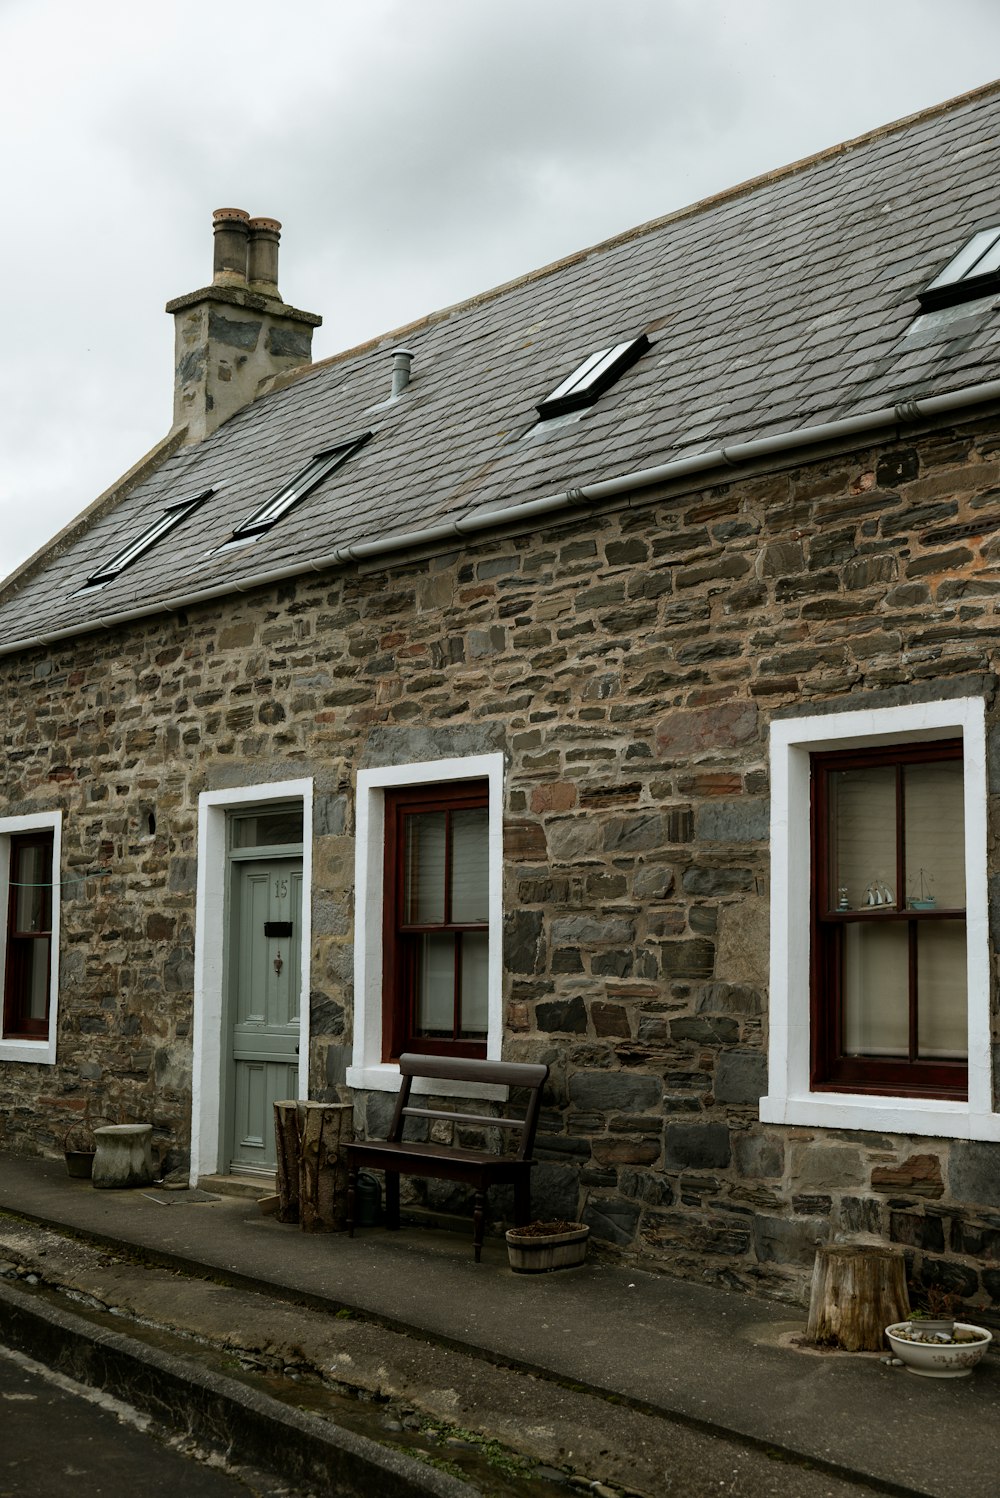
528 1075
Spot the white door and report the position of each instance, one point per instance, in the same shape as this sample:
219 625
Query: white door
263 1030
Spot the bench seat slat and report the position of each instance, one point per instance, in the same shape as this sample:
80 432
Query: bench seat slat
416 1150
466 1118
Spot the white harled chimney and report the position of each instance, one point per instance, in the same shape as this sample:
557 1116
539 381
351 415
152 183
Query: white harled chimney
233 335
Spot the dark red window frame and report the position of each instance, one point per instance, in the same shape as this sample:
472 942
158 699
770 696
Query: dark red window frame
400 941
831 1069
17 1023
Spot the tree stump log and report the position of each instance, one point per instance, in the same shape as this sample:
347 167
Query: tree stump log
287 1131
325 1129
856 1293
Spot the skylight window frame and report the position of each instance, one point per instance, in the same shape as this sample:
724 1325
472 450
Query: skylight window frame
168 519
972 272
309 477
588 382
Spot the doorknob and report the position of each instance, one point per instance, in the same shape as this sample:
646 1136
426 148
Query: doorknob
278 964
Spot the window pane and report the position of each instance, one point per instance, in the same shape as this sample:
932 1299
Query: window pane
935 834
423 894
268 829
470 881
942 1025
475 952
36 978
436 985
33 892
863 818
876 989
964 262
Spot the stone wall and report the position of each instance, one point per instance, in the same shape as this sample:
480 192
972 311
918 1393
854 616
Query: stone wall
629 663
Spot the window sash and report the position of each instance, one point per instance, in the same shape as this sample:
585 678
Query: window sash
320 466
28 964
172 516
436 920
906 1044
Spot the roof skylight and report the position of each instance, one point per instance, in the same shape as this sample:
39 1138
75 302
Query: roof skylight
973 272
595 375
319 467
165 522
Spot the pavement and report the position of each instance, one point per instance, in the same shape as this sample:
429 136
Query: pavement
654 1363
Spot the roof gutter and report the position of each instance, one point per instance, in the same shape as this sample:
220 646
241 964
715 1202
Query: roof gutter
737 456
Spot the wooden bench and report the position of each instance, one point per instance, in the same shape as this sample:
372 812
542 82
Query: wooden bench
477 1168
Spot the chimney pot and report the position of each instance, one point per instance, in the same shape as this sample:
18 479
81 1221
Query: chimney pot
231 229
262 256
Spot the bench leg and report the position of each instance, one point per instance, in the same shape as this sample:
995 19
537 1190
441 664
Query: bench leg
522 1201
392 1198
478 1218
352 1186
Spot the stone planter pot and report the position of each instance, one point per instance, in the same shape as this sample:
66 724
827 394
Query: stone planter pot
537 1253
124 1156
933 1359
928 1327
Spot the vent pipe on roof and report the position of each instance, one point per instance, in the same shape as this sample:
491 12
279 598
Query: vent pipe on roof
402 358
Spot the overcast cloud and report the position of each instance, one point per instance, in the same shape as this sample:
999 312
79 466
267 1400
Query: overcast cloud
416 151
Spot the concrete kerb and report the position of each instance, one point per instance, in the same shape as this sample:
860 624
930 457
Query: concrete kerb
218 1412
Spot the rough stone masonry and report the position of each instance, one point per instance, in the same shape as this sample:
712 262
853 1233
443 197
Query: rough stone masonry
628 662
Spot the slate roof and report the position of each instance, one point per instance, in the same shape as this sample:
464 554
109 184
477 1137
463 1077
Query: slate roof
788 302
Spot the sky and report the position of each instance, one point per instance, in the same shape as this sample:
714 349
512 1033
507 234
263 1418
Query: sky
417 152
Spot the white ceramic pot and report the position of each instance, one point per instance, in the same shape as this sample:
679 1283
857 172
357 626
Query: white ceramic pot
940 1359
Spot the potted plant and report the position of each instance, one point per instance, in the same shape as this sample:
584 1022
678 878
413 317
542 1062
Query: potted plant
937 1315
541 1246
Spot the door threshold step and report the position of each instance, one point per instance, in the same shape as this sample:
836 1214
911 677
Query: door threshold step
253 1187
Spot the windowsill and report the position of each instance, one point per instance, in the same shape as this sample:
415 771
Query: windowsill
385 1078
890 1115
38 1051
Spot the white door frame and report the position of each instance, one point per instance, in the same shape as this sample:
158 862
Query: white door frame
210 953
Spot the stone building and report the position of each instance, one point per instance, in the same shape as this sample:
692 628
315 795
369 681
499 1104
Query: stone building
601 671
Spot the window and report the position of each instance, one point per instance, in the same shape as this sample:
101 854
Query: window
27 971
889 1000
428 955
318 468
973 272
879 1014
436 920
595 375
29 879
171 517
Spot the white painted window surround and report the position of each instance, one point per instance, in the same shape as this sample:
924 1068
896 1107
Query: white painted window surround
209 954
790 1100
39 1051
368 1070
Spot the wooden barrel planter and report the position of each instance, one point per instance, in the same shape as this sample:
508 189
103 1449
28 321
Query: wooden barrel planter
543 1246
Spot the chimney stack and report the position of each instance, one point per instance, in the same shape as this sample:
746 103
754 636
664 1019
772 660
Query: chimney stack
233 336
